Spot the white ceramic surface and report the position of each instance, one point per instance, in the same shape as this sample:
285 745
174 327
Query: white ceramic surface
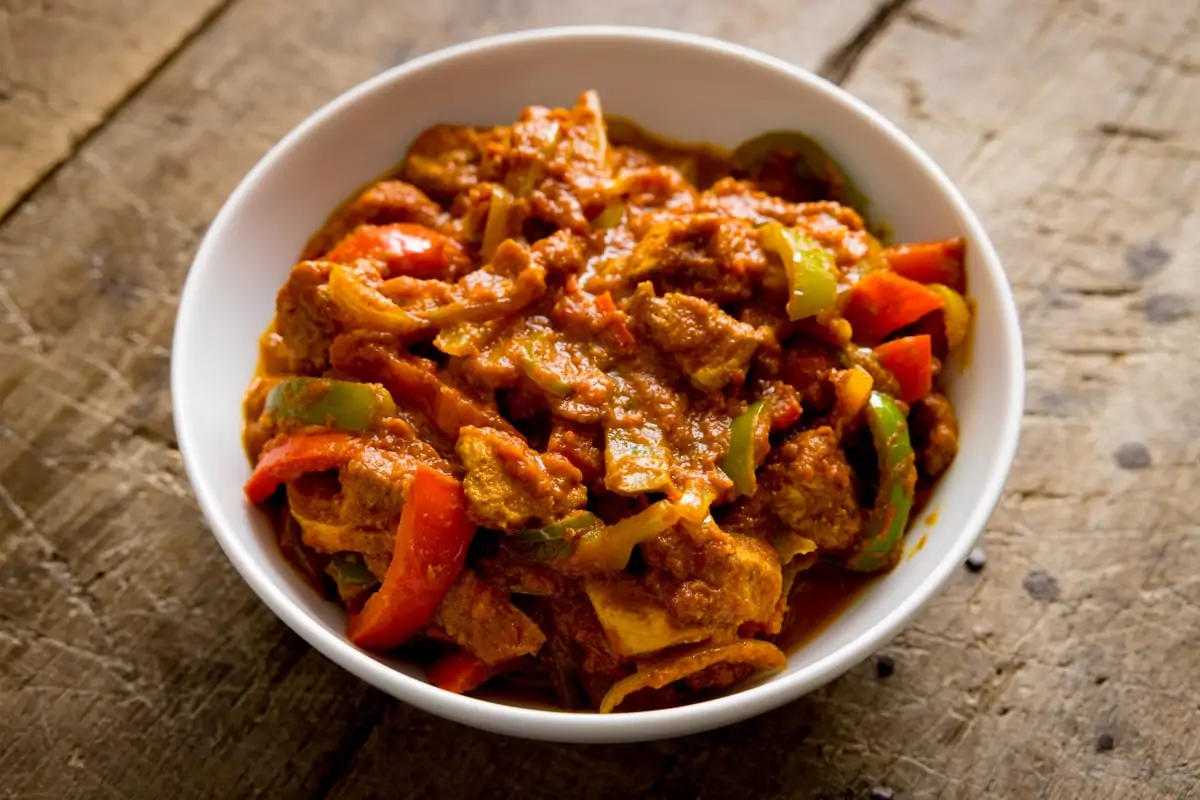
684 87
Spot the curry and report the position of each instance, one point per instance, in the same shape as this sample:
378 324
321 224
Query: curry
561 404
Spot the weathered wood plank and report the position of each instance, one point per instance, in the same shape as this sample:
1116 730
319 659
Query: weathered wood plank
133 662
65 65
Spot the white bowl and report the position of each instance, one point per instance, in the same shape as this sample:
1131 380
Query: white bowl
685 87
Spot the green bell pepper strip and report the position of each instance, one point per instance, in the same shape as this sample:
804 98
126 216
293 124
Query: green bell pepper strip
342 405
897 478
352 578
740 463
350 571
549 543
811 270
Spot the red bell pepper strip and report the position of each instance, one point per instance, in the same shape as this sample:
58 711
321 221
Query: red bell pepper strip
929 262
407 249
883 302
289 457
911 360
460 672
431 547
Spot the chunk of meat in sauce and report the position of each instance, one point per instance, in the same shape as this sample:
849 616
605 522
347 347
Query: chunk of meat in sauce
808 368
315 500
745 200
655 186
581 445
375 480
704 255
561 253
935 434
714 577
445 159
305 317
709 346
811 487
509 485
571 174
483 621
384 202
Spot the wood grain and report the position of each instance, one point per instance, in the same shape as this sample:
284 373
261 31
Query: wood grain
133 662
65 65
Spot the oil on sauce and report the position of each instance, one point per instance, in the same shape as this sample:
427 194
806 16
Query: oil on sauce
820 596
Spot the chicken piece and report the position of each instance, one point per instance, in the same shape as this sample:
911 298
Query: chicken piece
305 317
709 256
579 444
636 621
935 434
559 159
315 502
561 253
710 346
709 575
808 368
509 485
374 483
742 199
654 186
445 159
384 202
483 621
811 488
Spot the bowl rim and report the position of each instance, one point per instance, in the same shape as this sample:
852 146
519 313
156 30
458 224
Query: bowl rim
558 725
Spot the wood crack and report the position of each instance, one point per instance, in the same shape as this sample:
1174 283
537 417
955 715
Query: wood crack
1118 130
839 65
341 758
934 25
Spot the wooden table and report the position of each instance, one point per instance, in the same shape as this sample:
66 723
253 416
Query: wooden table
134 662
